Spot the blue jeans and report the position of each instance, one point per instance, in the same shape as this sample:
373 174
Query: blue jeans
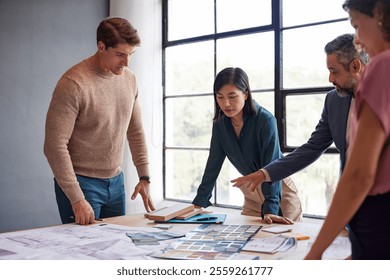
106 196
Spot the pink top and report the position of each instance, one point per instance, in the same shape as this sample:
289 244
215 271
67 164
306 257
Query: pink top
374 89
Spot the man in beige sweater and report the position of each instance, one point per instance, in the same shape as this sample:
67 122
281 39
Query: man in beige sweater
94 107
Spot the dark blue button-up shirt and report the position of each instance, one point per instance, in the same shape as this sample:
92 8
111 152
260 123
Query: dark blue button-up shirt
257 145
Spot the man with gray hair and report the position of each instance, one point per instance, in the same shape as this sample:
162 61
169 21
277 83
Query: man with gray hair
345 64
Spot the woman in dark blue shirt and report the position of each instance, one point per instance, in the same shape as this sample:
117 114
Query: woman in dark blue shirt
246 133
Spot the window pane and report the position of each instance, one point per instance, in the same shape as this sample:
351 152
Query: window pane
190 18
304 64
316 184
302 115
266 100
184 170
226 193
233 14
190 68
188 121
253 53
308 11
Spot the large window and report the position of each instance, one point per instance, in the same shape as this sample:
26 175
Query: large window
280 44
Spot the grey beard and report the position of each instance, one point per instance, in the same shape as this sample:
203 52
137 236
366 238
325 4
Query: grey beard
344 93
348 88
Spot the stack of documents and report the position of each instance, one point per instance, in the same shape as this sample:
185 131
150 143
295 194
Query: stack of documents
152 238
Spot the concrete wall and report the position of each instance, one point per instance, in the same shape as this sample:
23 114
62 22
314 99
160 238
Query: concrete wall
40 40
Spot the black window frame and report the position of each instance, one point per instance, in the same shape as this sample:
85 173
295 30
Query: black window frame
280 93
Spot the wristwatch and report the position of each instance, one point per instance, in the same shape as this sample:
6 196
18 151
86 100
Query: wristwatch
145 178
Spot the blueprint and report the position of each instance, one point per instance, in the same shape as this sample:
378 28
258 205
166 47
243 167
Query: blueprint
71 241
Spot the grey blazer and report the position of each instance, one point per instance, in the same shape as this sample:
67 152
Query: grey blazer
331 128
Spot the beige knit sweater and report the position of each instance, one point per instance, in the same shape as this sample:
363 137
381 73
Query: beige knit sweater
89 116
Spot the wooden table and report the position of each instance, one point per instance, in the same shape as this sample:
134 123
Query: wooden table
69 241
306 228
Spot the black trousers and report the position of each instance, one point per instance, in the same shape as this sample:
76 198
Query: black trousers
370 229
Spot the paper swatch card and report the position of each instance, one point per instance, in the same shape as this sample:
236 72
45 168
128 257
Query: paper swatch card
270 245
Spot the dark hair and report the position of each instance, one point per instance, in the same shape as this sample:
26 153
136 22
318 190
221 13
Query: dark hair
368 7
345 50
237 77
114 31
363 6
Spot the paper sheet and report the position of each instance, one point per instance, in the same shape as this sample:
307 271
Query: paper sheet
338 250
270 245
98 241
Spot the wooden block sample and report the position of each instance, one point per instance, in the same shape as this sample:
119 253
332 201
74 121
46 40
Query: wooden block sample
189 214
171 212
151 212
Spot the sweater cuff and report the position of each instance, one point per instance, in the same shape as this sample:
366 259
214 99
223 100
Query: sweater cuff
143 170
74 193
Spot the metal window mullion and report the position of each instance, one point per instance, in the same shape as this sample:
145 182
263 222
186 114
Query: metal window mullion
215 73
279 99
164 42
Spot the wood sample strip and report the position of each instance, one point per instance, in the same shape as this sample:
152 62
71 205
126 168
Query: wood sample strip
147 214
190 214
171 212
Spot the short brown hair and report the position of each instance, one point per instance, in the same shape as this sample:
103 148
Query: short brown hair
114 31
